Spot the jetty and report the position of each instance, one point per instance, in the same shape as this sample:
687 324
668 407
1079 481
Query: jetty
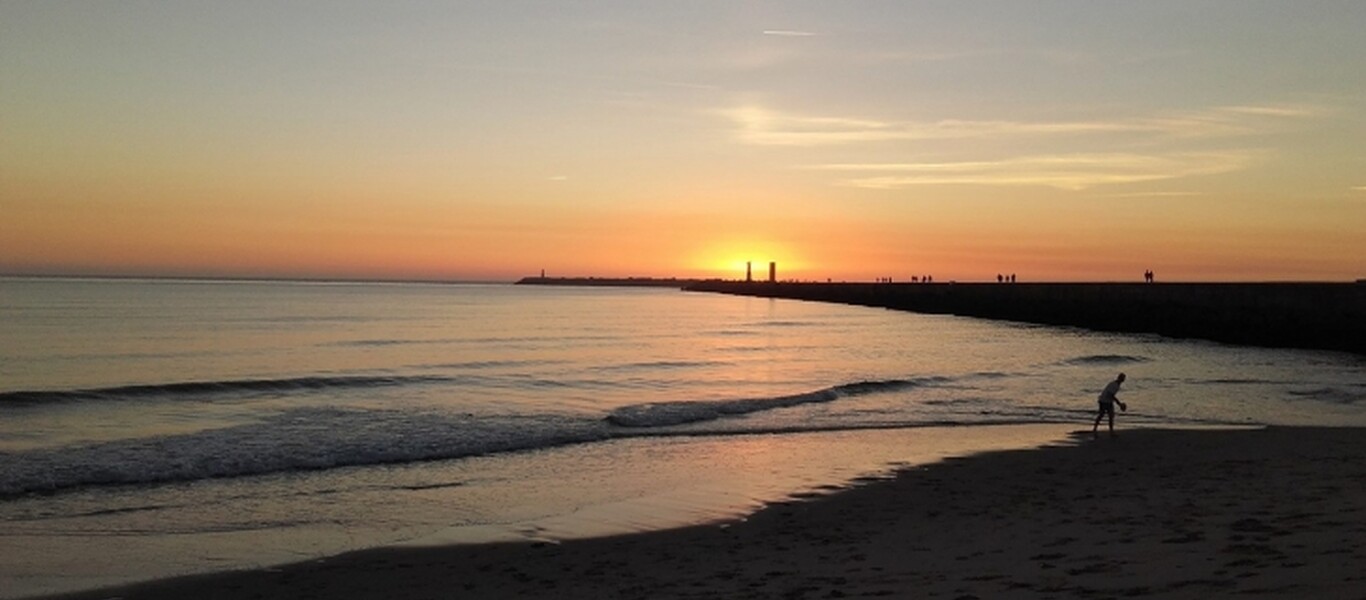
1323 316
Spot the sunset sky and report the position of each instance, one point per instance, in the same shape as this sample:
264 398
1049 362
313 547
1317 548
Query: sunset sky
850 140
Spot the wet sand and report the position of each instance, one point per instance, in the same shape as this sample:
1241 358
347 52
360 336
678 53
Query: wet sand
1269 513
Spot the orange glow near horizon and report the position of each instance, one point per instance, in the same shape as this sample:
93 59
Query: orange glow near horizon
165 238
728 259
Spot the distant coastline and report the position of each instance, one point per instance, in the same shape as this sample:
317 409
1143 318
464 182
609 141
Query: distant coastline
1320 316
670 282
244 279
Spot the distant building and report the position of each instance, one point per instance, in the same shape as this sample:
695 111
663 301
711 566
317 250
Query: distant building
749 275
772 272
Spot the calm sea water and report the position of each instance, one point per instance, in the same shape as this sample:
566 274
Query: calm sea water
150 428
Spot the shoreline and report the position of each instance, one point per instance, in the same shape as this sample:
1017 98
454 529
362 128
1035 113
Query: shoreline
1158 513
1313 316
610 494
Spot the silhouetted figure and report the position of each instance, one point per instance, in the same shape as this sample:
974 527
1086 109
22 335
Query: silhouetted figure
1012 278
999 278
1107 401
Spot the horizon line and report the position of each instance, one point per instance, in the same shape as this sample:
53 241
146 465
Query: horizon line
246 278
430 281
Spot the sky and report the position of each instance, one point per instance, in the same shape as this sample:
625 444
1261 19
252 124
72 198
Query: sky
849 140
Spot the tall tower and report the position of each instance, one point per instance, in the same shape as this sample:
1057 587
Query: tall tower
773 272
749 275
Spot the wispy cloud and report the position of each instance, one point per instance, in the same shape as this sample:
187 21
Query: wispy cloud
1070 172
1165 140
907 57
1359 188
790 33
1287 111
761 126
688 85
1154 195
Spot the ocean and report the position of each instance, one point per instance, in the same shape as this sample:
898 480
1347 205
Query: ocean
151 428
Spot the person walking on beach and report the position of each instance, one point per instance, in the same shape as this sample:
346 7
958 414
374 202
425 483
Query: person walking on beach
1107 402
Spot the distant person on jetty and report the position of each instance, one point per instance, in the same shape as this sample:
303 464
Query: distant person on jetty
1107 402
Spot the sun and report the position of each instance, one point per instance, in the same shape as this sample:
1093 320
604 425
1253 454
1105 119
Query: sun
730 259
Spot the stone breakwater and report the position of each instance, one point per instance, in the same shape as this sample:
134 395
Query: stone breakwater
1324 316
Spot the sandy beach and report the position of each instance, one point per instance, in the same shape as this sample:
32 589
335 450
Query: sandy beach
1272 513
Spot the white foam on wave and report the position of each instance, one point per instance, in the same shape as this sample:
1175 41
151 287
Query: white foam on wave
303 439
315 438
663 414
224 388
1105 359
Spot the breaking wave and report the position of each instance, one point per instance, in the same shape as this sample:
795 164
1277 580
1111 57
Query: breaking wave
1105 359
662 414
311 439
300 440
212 388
